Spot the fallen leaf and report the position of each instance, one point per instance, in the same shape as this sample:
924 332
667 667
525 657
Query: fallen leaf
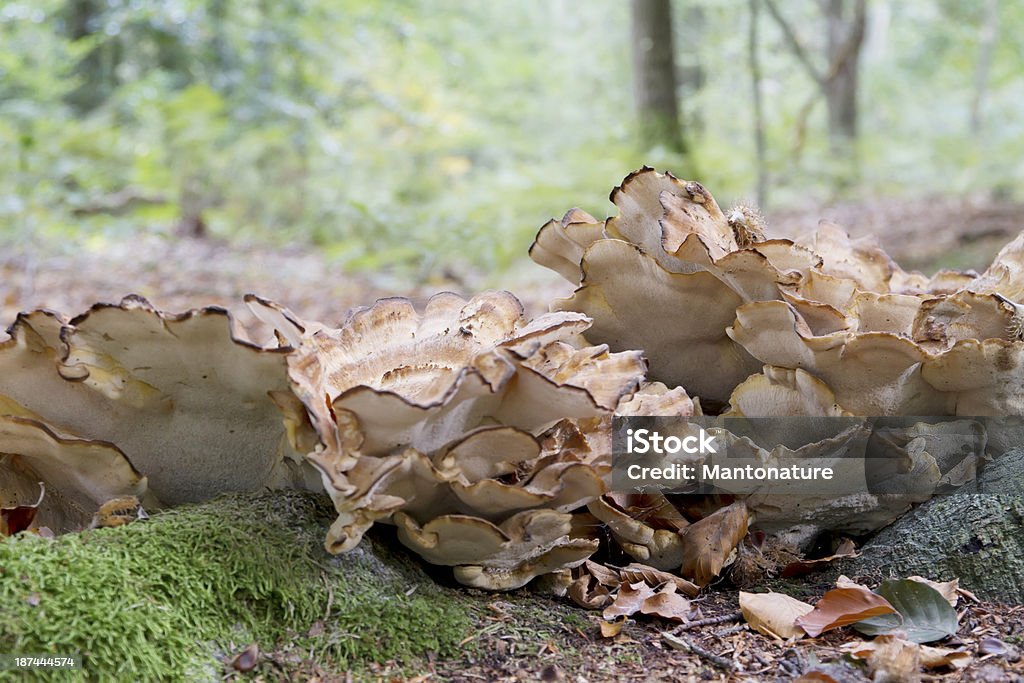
841 607
655 577
610 629
586 592
629 600
816 677
606 576
773 614
247 659
994 646
653 509
846 549
931 657
14 520
948 589
893 659
845 581
708 543
924 614
667 604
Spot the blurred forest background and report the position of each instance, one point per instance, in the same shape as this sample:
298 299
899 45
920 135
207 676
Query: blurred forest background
427 139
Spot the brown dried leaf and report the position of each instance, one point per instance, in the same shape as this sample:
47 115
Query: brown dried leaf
667 604
841 607
629 600
774 614
846 549
604 575
653 509
610 629
708 543
655 577
14 520
930 657
586 592
816 677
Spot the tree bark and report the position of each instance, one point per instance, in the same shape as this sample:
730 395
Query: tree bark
654 75
976 535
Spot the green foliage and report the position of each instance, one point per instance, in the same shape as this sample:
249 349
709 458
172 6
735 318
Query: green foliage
158 600
425 136
923 615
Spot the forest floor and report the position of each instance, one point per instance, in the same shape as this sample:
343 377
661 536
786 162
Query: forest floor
559 648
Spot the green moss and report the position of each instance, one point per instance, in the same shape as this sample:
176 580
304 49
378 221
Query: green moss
163 599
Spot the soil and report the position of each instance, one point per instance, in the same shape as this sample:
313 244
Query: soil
533 638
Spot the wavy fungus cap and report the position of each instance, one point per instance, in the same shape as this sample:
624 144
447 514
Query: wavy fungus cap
451 423
182 402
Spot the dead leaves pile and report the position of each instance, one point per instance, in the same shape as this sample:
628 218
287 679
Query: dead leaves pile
904 614
634 589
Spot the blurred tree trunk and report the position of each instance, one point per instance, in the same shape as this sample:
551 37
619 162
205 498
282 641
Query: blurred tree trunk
654 75
986 46
97 68
754 62
845 40
844 33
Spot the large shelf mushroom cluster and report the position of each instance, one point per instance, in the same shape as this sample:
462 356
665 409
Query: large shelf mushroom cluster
824 325
484 437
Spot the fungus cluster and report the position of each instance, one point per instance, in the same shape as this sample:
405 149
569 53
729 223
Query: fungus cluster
474 431
824 325
125 400
484 437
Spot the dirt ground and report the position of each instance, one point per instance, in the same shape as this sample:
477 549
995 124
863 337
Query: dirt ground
514 645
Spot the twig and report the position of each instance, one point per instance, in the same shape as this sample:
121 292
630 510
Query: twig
685 645
709 621
735 628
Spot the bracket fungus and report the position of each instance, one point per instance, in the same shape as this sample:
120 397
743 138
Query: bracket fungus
674 249
443 422
128 400
824 325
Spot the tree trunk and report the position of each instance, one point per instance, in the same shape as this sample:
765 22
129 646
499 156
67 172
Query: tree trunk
96 68
845 37
976 535
654 75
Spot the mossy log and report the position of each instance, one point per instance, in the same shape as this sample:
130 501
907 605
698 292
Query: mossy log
172 597
976 535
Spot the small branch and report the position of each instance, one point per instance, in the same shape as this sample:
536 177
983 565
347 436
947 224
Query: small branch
686 646
795 45
709 621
